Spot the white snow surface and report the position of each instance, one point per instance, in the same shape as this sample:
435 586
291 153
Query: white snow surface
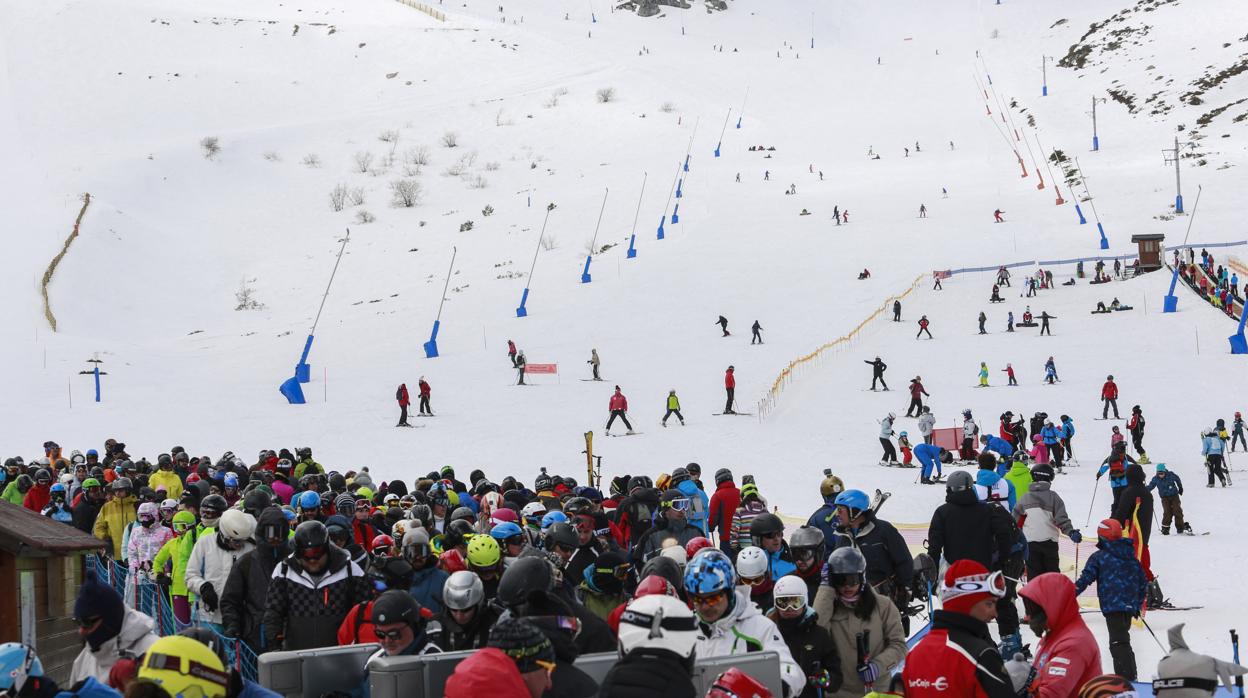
114 98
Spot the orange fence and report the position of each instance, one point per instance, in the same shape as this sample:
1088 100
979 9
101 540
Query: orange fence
799 366
436 14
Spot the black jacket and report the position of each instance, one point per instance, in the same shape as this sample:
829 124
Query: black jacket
454 637
84 514
812 648
964 528
888 556
877 367
247 587
1135 489
648 673
301 612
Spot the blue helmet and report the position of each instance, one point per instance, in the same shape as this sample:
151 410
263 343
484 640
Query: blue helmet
856 501
92 452
231 480
309 501
58 487
505 530
18 663
709 571
553 517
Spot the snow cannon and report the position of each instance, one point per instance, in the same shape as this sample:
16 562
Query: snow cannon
291 390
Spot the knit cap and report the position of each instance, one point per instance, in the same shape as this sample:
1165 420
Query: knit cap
957 600
523 642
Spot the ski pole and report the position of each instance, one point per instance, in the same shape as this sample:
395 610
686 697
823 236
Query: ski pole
1150 632
1239 680
1093 502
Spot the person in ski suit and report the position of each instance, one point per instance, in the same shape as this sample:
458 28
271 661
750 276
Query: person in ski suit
145 542
1120 587
865 625
247 587
511 353
111 631
930 456
425 391
520 363
1050 371
594 363
58 509
999 447
970 430
1237 432
983 319
886 440
983 374
723 325
1009 375
730 387
212 559
1212 448
1052 438
1068 433
1116 465
1109 396
810 643
673 408
618 405
1068 656
404 400
1041 516
1170 488
927 424
1044 323
756 329
1135 427
923 327
878 368
917 393
897 312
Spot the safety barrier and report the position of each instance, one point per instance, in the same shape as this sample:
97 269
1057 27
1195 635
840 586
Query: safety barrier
800 365
153 600
436 14
1075 260
1236 302
332 669
47 273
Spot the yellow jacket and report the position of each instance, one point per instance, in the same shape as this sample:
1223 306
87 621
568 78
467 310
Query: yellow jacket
114 517
171 481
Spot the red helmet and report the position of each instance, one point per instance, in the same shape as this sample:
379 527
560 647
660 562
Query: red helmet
654 584
1109 529
696 544
735 683
452 561
503 514
383 542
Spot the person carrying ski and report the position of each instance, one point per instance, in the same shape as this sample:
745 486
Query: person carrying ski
917 392
730 387
897 315
1170 488
404 400
931 457
1041 516
618 405
756 329
1009 374
594 363
1109 396
983 319
927 424
923 324
1120 587
1135 427
425 392
723 325
983 374
1237 432
1044 322
511 352
673 408
1212 448
878 368
520 362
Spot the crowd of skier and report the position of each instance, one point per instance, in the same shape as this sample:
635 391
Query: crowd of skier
285 554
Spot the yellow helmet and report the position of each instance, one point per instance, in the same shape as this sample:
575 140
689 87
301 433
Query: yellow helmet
185 668
483 552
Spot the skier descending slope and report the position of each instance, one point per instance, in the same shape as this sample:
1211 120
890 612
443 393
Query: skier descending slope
618 406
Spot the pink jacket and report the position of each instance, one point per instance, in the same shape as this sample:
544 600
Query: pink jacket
618 402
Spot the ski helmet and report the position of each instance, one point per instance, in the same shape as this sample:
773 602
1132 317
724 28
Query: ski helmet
1107 686
502 514
308 501
148 512
677 553
381 545
679 475
1043 472
723 475
658 622
422 514
483 553
752 565
400 529
463 514
966 413
561 534
183 667
416 545
655 584
577 505
553 517
807 541
695 544
856 501
959 481
18 663
56 489
765 525
709 572
236 525
213 506
504 531
831 485
523 578
789 593
183 521
463 590
735 683
1109 529
310 535
845 563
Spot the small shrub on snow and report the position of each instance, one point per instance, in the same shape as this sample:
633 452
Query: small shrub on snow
211 146
405 193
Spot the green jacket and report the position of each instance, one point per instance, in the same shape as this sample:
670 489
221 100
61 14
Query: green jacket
12 495
1020 477
673 402
177 551
598 603
307 467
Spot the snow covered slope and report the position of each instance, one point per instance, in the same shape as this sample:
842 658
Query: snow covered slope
115 100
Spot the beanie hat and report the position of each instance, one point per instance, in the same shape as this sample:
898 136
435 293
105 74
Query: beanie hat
1161 467
96 599
957 600
723 475
521 640
1185 674
601 574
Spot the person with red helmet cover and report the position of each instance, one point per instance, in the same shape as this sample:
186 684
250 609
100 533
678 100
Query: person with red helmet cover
1067 656
958 656
735 683
696 544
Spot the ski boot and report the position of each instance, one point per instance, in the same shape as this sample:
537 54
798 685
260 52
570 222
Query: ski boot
1143 459
1154 597
1187 529
1011 644
1165 530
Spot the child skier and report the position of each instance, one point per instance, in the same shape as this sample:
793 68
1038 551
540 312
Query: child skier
1050 372
1237 432
673 408
1135 426
923 324
983 375
1009 374
1068 433
1212 448
1116 466
903 444
1120 586
1116 437
1170 488
970 430
1039 452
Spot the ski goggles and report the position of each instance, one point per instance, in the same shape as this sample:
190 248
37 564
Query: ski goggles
188 667
803 553
708 599
393 635
313 553
790 603
993 584
754 581
619 571
681 504
844 580
517 539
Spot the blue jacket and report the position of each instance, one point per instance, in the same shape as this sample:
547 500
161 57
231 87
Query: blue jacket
1115 481
1000 445
989 479
427 587
1168 486
778 565
1068 429
1050 435
825 520
929 457
1212 446
699 503
1120 581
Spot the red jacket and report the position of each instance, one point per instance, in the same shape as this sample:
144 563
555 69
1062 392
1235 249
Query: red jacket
1109 391
424 389
730 379
363 533
956 658
486 672
357 627
916 389
404 400
618 402
37 498
511 347
1067 656
724 504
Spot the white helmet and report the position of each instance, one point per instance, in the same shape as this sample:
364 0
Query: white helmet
658 622
677 553
751 563
790 585
462 590
67 478
533 509
400 529
237 525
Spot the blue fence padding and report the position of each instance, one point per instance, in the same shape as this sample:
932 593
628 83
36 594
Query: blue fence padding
1207 244
149 598
1096 258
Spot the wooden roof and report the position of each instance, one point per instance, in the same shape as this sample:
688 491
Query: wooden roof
23 532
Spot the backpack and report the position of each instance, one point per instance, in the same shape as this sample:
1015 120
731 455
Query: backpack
398 394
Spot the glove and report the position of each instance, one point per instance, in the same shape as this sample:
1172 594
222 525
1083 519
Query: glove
164 580
821 680
208 596
1076 536
1020 671
1098 475
868 672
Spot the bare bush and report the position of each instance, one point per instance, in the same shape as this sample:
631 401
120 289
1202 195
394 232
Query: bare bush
405 193
490 166
487 211
362 217
412 171
390 136
478 182
417 155
471 159
245 296
667 107
450 139
605 94
363 161
271 156
338 197
549 242
457 169
211 146
312 160
356 196
465 226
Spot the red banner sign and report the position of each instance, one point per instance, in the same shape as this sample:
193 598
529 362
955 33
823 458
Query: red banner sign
541 368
